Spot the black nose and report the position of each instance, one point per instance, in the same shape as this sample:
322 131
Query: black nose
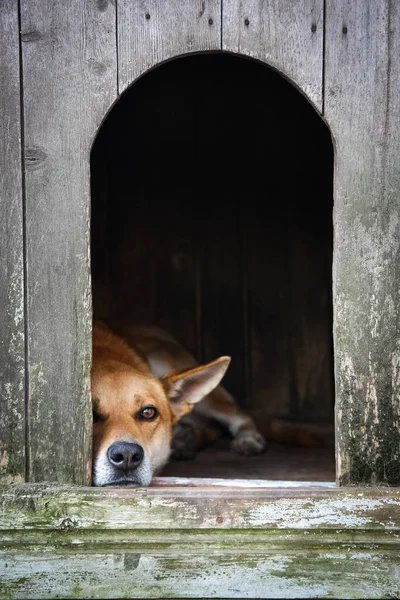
125 455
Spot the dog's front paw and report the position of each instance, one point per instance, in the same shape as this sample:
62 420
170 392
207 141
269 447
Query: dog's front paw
248 442
184 442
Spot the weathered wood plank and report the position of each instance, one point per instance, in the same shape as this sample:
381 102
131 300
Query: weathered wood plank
222 297
199 542
335 570
176 290
12 338
122 229
150 32
362 108
238 483
286 35
269 313
100 233
288 225
203 507
69 66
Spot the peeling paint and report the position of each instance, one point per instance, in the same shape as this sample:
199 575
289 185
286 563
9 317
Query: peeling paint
168 542
395 362
239 483
346 512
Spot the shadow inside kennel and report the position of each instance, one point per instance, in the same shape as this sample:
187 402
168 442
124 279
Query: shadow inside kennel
212 217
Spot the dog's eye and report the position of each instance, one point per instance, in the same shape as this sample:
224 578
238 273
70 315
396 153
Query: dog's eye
148 413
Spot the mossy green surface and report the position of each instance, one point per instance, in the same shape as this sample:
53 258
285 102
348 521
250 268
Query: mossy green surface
61 542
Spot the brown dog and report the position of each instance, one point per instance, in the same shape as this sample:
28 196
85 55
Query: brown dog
143 390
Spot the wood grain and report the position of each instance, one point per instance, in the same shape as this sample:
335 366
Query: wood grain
12 337
231 568
362 90
223 311
208 541
69 69
176 280
171 508
288 36
151 32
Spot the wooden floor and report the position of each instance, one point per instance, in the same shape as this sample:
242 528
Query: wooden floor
279 462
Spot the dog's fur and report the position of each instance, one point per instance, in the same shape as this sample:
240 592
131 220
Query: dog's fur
154 371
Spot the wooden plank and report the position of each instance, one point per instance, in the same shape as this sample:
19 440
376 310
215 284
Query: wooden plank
150 32
288 226
69 66
362 108
134 264
53 508
177 272
100 233
122 225
288 36
12 338
310 322
166 570
267 284
238 483
308 271
268 306
222 299
300 542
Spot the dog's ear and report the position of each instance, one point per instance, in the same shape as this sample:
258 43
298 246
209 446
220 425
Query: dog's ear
188 387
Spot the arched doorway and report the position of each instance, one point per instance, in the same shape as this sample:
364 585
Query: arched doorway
212 217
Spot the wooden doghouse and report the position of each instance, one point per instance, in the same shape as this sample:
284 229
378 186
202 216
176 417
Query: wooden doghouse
197 148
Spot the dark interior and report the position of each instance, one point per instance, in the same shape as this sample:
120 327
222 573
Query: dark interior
212 217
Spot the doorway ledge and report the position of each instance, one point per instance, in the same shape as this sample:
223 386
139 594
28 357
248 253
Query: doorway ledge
200 539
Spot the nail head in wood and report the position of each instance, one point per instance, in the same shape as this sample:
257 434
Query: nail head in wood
31 36
147 15
247 22
34 157
102 5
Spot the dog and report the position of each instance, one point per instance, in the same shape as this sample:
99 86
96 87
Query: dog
151 398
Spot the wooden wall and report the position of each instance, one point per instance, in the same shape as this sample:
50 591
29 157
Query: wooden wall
12 331
71 60
362 86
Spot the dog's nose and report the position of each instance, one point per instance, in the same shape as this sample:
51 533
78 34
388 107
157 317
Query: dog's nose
125 455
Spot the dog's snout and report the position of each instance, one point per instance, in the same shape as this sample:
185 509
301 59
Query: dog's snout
125 455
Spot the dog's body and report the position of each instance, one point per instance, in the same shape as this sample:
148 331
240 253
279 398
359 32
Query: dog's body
142 391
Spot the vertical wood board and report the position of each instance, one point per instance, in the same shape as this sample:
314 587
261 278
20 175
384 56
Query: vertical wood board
362 107
69 66
176 290
268 312
288 36
222 299
150 32
12 338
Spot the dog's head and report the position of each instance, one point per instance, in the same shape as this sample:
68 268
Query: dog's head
133 412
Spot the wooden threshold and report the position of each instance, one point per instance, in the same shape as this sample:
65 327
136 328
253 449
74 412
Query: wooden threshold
201 539
205 482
